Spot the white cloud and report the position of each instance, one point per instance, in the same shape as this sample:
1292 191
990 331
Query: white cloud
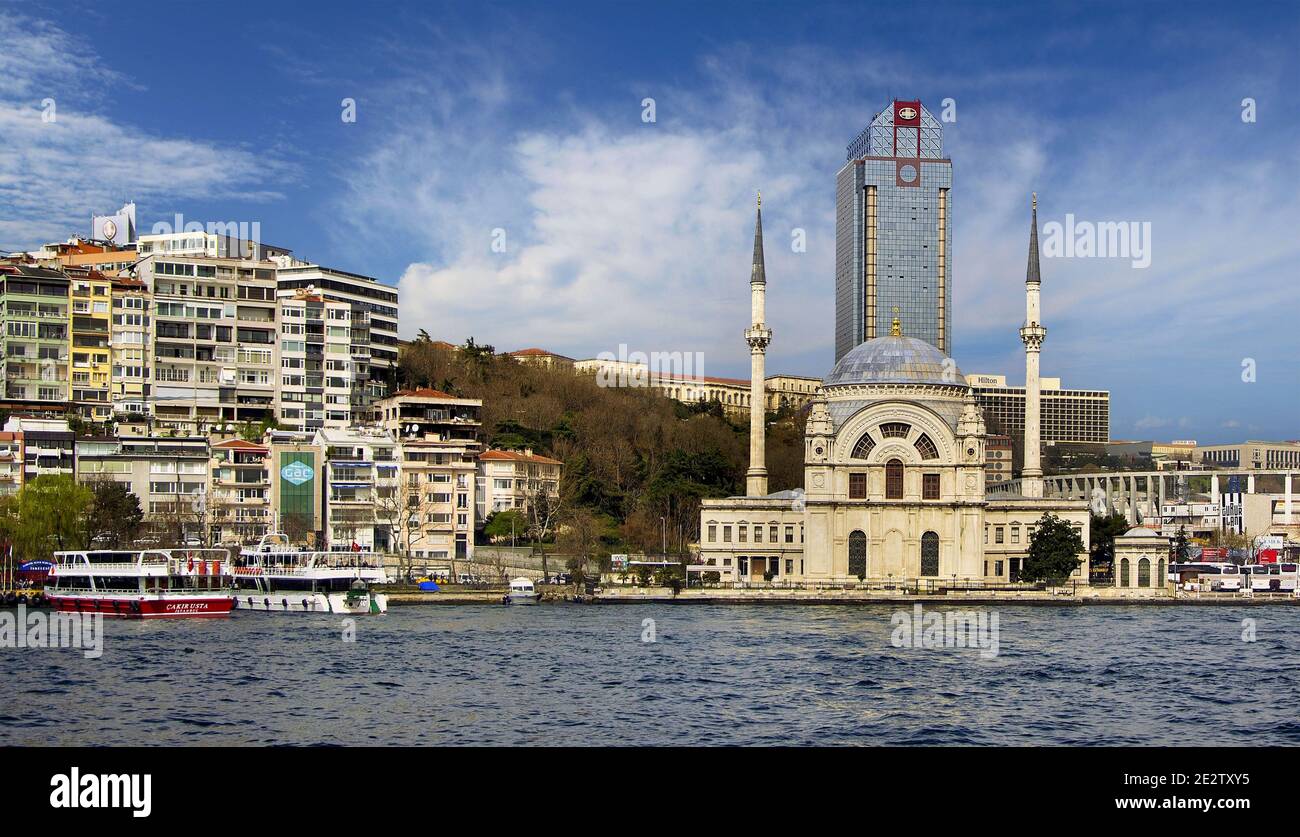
55 174
1151 423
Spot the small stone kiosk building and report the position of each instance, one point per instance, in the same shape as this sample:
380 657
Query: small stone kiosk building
1141 559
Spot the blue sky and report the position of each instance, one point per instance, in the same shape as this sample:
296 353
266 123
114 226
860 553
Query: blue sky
527 118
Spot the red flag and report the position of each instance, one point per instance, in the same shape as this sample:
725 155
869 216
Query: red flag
356 547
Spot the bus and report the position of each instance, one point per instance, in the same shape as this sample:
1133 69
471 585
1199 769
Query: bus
1272 578
1218 577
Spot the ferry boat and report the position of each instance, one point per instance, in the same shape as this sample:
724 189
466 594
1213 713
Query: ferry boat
276 577
146 584
522 591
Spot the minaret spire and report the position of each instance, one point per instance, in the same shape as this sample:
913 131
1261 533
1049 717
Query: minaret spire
1032 335
758 335
1032 272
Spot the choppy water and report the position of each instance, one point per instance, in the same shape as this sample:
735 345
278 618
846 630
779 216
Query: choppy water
572 674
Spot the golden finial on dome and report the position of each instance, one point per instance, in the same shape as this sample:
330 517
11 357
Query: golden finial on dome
1035 194
760 198
896 328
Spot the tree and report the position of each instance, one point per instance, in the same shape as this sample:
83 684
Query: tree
296 526
508 523
1182 546
581 535
1102 531
45 516
115 517
1054 550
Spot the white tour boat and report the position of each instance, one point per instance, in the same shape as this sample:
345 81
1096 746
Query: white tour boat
276 577
147 584
522 591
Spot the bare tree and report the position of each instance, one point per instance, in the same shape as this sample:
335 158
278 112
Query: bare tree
406 511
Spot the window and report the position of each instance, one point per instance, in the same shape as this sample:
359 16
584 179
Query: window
1144 573
789 534
863 448
713 532
895 430
726 534
999 535
1015 534
930 487
857 486
758 533
926 447
1123 572
894 479
929 554
742 532
858 554
771 531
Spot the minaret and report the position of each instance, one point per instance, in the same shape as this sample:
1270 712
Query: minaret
1032 334
758 335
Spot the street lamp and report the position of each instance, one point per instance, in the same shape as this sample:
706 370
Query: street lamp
663 522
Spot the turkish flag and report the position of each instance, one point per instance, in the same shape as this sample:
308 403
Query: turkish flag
356 547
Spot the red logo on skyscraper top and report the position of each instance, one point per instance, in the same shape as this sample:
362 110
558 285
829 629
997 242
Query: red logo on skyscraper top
907 113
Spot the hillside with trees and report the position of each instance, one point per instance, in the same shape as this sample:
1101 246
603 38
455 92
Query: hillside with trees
631 455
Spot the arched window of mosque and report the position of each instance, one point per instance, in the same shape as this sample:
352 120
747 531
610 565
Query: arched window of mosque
926 448
858 554
1144 572
894 479
929 554
1160 572
863 448
1123 572
895 430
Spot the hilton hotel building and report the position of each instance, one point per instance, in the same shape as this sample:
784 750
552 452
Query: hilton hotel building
1069 415
893 231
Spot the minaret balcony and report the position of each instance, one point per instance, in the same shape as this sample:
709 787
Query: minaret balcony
758 336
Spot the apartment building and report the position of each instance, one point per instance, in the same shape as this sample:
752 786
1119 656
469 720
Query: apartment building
170 477
214 341
439 437
37 336
324 363
131 347
361 478
11 463
374 317
47 446
509 479
217 244
91 359
239 498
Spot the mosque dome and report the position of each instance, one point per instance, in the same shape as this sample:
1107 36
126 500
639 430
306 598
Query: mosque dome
895 360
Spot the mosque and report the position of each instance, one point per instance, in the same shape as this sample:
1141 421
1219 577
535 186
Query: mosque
894 463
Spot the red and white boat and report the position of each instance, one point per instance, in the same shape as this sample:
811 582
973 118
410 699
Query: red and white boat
149 584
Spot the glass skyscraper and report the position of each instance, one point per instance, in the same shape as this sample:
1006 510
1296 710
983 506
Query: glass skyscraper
893 231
